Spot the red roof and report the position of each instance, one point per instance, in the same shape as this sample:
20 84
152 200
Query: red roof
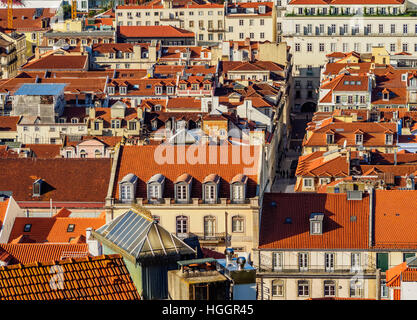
395 219
146 161
54 229
42 252
76 180
90 278
23 19
339 230
66 62
154 32
8 123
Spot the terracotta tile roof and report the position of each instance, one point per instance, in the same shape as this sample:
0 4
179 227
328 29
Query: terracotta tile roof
91 278
228 66
50 62
141 161
184 103
23 20
42 252
340 2
158 4
105 115
44 151
3 210
115 47
339 231
316 165
374 133
54 229
8 123
76 180
395 219
154 32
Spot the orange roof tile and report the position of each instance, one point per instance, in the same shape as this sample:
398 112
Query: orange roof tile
154 32
42 252
104 277
54 229
8 123
51 62
339 231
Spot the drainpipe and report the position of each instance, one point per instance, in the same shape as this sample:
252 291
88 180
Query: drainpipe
371 217
378 284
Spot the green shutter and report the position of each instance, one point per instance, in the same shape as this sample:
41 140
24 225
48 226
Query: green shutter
408 255
382 261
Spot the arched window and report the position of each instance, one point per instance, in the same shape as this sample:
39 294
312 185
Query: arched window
182 226
209 226
83 154
97 153
238 224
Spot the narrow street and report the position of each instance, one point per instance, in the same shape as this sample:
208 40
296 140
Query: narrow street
285 179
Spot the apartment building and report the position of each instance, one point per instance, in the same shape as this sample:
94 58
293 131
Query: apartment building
13 53
314 28
323 245
213 198
253 20
205 19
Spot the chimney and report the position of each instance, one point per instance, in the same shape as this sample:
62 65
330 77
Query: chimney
91 113
229 255
94 247
37 53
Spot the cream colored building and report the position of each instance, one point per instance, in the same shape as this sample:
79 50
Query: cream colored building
253 20
206 20
219 203
331 253
314 30
14 53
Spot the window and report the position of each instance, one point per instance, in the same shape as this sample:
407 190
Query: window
209 225
405 28
210 195
321 47
238 192
182 226
182 192
154 191
27 227
329 288
96 125
329 261
355 261
303 288
278 288
71 228
309 47
132 125
355 288
115 124
241 35
382 261
381 28
262 35
262 22
405 47
83 154
393 28
238 224
388 139
384 290
277 261
303 261
359 138
240 22
308 182
251 35
330 138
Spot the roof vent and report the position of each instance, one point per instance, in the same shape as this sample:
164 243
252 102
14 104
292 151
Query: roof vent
353 218
273 204
229 255
241 263
288 220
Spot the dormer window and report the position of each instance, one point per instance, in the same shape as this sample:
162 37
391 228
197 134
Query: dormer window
27 227
183 86
316 223
37 188
74 120
207 86
110 90
183 188
127 188
123 90
156 187
388 138
170 90
158 89
238 188
210 188
330 138
359 138
194 86
385 95
115 124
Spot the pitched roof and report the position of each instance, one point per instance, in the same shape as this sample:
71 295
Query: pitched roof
226 161
395 219
146 237
8 123
154 32
54 229
76 180
339 230
66 62
93 278
23 18
42 252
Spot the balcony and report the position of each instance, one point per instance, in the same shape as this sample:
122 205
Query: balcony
219 29
213 238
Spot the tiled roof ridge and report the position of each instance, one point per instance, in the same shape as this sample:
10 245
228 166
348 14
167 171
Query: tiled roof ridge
62 262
